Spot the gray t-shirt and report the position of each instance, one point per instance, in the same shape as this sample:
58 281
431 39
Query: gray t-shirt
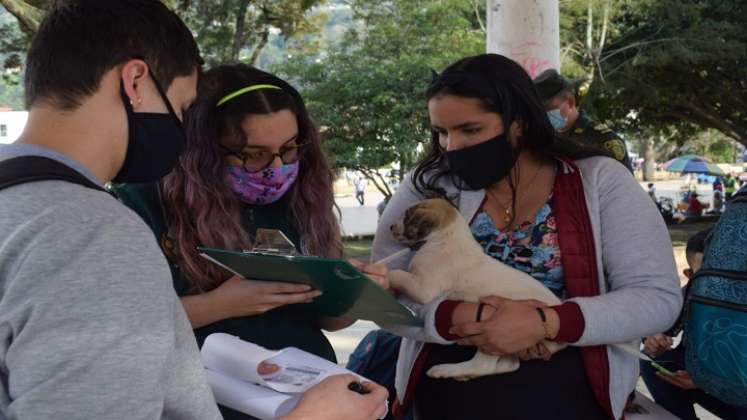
90 326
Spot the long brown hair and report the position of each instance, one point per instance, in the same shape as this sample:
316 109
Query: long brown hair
200 207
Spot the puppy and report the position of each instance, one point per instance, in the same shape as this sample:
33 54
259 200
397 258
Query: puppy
450 262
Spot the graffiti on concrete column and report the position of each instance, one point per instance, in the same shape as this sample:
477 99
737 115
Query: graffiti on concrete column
529 56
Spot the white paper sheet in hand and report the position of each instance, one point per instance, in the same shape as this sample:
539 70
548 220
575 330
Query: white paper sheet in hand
231 365
249 398
234 357
239 359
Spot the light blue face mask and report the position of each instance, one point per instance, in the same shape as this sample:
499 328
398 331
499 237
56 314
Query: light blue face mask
557 120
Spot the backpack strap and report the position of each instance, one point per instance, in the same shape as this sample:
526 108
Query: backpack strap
21 170
740 197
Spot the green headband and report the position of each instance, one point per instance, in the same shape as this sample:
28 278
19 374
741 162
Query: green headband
245 90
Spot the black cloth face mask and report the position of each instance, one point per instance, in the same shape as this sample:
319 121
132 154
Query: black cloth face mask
154 144
484 164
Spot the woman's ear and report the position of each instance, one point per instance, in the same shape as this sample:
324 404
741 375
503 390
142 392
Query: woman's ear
515 132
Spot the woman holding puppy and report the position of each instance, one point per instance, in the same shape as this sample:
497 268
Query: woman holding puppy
572 218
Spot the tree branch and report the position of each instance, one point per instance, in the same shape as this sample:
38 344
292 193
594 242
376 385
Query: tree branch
635 45
477 14
379 183
260 45
605 21
690 111
28 16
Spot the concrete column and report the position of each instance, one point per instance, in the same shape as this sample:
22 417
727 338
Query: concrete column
527 31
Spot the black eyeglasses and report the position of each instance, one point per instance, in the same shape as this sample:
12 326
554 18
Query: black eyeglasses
258 159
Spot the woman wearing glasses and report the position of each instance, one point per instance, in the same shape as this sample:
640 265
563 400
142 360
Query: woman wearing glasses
253 160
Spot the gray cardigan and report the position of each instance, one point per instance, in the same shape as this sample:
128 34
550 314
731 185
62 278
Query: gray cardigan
638 277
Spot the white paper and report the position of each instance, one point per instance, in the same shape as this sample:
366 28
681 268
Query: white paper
249 398
231 365
295 362
234 357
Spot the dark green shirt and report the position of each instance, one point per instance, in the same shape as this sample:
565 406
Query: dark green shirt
282 327
587 131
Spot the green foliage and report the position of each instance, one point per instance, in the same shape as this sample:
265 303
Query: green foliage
711 143
231 30
585 29
368 94
12 51
226 30
13 42
680 66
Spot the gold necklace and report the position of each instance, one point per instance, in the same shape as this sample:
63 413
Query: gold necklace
507 208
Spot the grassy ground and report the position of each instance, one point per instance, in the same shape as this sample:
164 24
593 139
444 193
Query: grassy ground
359 249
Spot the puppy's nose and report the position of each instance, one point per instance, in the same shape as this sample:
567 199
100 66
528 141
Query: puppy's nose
392 227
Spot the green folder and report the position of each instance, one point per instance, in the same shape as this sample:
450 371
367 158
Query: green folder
346 292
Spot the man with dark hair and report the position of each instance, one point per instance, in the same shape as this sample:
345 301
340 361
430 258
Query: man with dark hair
90 326
559 97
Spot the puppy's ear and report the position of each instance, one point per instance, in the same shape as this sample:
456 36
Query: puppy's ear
407 218
425 227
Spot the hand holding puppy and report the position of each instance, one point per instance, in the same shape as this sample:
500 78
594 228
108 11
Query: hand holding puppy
514 326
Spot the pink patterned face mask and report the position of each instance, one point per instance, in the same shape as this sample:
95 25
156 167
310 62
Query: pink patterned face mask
263 187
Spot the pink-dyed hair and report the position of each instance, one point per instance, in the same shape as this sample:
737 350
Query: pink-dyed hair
201 209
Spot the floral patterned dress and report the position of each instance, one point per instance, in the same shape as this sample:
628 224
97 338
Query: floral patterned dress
532 248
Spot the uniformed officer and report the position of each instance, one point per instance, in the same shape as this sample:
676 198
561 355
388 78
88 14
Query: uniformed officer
559 97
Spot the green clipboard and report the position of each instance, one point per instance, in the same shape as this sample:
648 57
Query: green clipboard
346 292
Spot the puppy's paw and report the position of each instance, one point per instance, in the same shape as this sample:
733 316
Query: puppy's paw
454 371
442 371
398 279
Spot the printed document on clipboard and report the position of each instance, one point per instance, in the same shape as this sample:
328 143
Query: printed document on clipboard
231 367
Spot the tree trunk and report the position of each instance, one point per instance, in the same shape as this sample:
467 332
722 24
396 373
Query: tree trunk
649 159
28 16
238 36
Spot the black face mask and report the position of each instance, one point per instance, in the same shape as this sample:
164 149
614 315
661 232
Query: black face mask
484 164
154 144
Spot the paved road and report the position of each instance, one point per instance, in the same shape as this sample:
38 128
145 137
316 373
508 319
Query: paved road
360 220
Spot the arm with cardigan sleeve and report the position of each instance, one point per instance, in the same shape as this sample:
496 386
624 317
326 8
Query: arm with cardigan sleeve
643 291
385 245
